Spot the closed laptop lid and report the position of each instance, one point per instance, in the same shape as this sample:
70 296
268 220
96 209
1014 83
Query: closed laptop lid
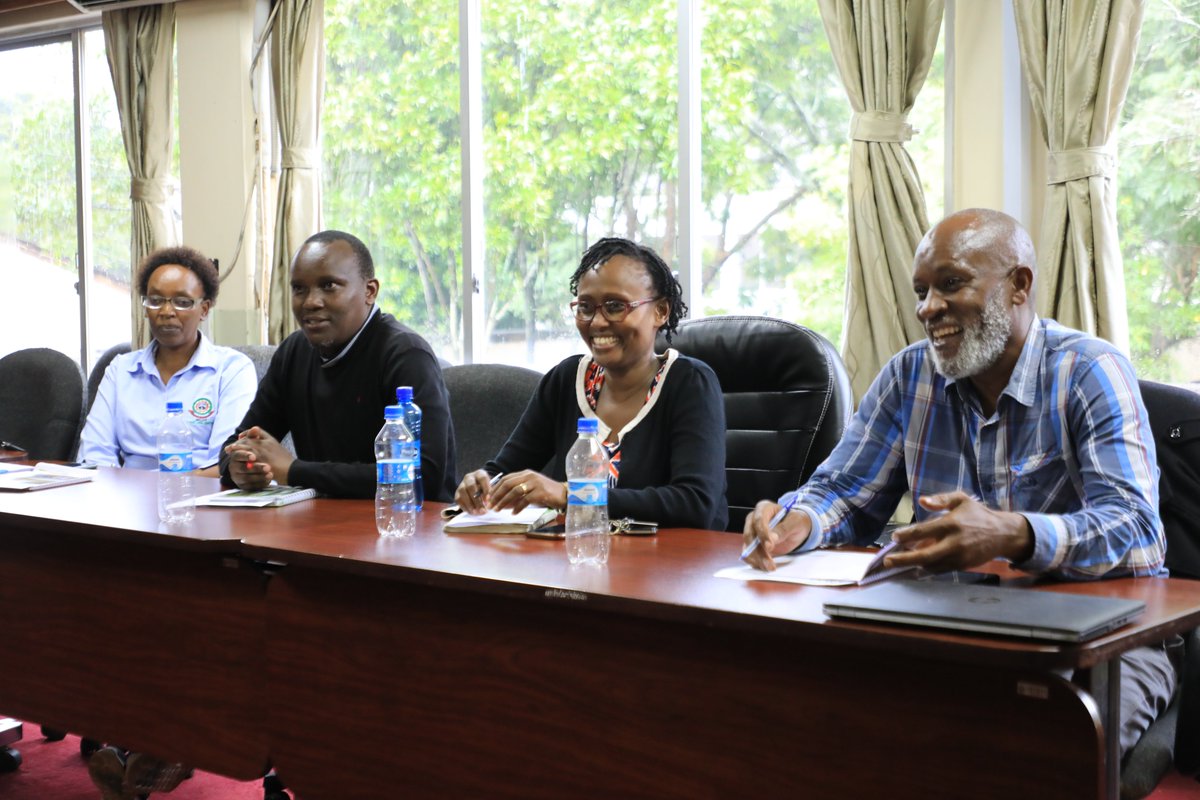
1028 614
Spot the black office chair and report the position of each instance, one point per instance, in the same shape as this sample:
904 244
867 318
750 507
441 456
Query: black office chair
260 354
787 401
41 402
1174 738
98 370
486 402
93 384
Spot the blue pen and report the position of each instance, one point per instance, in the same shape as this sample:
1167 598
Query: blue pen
775 520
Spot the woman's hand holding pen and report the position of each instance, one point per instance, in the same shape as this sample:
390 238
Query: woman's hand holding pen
480 491
765 536
527 488
473 492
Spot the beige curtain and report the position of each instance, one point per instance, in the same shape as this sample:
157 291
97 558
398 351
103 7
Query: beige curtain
882 49
298 80
139 42
1077 56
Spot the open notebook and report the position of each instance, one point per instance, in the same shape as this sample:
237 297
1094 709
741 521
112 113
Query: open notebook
822 568
523 521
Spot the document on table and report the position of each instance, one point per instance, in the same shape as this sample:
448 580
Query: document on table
43 476
821 568
489 521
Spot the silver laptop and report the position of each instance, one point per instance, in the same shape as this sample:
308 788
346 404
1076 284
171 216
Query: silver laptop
1050 616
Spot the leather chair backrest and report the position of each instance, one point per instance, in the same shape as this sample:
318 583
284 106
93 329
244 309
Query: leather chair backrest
787 401
260 354
98 370
1174 737
1175 422
486 402
41 402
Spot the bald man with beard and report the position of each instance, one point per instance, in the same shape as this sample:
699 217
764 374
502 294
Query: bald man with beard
1018 438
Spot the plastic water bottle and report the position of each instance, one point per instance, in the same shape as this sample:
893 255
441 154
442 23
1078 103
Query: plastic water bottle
395 510
176 498
587 497
412 418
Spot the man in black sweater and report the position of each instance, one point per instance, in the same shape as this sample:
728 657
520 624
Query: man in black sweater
329 382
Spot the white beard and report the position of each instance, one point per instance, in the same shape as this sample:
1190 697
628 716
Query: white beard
982 342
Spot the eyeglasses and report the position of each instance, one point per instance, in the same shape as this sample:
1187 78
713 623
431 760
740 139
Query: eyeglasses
613 310
155 302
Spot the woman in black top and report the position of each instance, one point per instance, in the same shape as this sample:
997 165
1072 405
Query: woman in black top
661 416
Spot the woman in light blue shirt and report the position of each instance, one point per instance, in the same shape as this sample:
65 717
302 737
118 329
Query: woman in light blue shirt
215 384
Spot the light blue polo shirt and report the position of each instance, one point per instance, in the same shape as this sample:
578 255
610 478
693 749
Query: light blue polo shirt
215 388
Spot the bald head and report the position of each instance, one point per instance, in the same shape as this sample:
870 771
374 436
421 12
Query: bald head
984 237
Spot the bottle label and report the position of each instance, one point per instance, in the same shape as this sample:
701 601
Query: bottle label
587 493
175 462
390 471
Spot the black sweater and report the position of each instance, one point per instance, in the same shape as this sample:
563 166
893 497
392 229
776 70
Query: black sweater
672 460
334 414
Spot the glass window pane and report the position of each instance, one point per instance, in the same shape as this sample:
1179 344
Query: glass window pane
37 198
580 131
108 303
1158 208
390 127
776 162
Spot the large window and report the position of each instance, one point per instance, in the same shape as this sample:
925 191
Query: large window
580 131
776 163
37 176
1159 203
40 248
390 127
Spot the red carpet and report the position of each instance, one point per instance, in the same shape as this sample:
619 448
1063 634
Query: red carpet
56 771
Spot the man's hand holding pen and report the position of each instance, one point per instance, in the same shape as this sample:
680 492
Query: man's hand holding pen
771 530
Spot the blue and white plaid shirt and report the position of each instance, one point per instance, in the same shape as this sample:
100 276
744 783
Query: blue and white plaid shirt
1069 447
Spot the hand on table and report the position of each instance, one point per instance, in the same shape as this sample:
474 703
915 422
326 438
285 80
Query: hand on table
257 458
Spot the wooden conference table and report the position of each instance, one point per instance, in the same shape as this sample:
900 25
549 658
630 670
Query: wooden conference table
474 665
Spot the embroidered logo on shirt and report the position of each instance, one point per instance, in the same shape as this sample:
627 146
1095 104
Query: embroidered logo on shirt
202 408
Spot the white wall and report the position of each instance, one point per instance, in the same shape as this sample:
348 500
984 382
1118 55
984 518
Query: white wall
217 143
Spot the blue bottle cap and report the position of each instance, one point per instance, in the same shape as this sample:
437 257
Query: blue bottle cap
392 413
588 425
174 407
403 394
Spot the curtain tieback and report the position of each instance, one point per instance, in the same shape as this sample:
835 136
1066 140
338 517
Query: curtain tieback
1082 162
297 158
148 190
879 126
